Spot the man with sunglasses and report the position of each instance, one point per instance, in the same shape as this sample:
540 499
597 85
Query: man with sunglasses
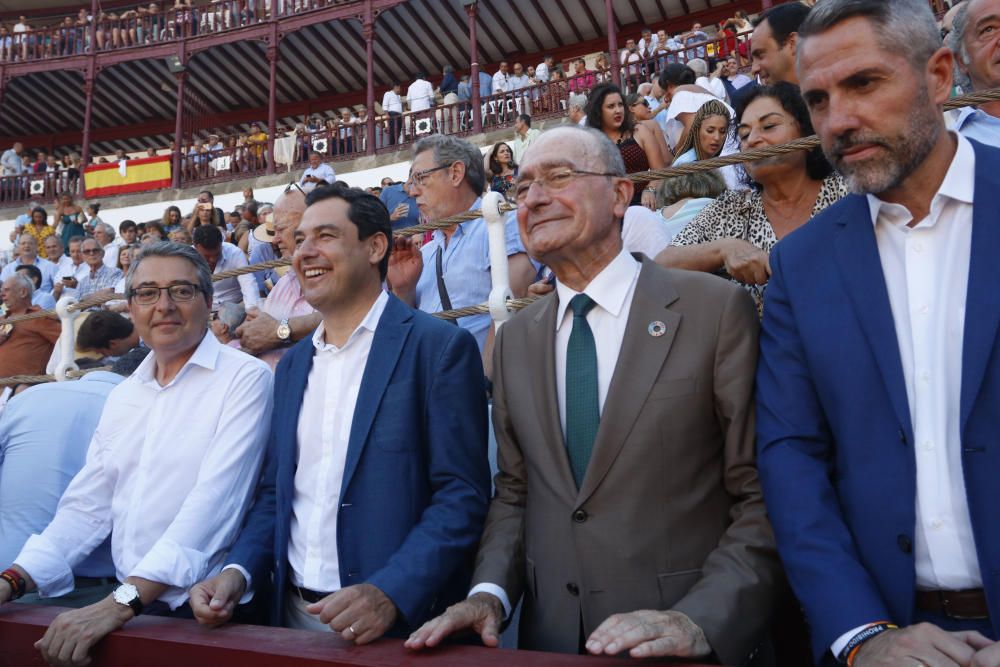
101 277
172 504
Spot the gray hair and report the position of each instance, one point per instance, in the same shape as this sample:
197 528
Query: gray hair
956 42
25 282
578 100
108 229
232 315
170 249
26 235
702 185
906 27
698 66
448 150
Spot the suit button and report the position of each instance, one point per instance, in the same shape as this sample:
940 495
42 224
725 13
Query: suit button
579 516
904 543
573 589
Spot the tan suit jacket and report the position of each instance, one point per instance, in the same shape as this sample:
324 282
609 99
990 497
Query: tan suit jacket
670 513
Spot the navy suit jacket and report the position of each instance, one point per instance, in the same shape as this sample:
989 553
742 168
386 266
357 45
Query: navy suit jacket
834 431
416 479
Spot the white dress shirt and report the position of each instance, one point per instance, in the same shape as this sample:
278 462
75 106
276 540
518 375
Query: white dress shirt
612 290
172 495
644 231
323 433
420 95
66 268
323 171
542 72
501 82
392 102
926 270
241 288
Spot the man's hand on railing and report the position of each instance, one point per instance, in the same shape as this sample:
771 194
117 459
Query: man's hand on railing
481 613
361 614
214 600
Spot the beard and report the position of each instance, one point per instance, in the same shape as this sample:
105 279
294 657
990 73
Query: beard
904 152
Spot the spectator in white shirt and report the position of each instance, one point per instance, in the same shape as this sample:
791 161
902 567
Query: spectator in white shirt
173 504
392 105
542 71
221 256
71 268
420 94
501 80
27 248
105 235
317 173
519 79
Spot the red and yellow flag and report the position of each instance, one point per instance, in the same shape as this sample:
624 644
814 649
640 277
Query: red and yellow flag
149 173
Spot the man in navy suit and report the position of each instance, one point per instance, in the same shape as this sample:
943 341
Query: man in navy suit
879 377
376 481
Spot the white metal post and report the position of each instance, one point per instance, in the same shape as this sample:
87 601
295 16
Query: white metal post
499 267
67 339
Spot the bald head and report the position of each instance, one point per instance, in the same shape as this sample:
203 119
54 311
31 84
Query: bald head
288 212
592 147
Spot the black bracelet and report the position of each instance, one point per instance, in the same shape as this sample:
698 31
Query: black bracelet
868 632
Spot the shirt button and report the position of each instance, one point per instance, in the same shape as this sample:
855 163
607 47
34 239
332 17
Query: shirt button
927 445
917 247
924 309
937 524
925 377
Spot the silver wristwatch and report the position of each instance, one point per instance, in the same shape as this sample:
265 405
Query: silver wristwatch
128 595
284 332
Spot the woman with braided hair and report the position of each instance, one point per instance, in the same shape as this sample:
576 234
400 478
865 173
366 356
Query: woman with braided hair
707 135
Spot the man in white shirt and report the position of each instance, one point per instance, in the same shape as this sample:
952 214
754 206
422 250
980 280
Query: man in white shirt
392 105
602 394
317 173
221 256
71 268
420 94
543 71
518 79
524 135
878 380
173 503
501 80
11 161
105 235
371 504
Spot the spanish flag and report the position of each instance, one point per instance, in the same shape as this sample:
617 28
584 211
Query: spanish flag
117 178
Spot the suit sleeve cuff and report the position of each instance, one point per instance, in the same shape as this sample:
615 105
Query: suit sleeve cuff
500 594
838 646
248 591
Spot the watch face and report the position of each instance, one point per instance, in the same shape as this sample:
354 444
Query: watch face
284 331
125 593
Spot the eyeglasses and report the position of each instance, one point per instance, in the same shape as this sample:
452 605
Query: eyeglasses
420 177
92 251
551 181
178 293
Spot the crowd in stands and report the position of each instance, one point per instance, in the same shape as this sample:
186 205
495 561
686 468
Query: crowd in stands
736 381
138 25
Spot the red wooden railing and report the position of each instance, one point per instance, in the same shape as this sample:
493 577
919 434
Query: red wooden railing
164 642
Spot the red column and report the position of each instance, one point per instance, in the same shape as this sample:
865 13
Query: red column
88 109
368 30
609 11
272 97
178 129
477 106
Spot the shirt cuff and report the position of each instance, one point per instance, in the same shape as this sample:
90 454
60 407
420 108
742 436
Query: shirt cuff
498 593
838 646
48 569
248 591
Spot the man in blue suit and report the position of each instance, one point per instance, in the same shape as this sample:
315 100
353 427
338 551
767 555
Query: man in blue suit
376 481
879 377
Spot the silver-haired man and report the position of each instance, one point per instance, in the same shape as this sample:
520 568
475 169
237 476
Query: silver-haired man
174 504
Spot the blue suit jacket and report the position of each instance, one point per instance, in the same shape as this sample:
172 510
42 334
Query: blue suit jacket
834 432
416 479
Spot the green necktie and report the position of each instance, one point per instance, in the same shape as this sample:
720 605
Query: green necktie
582 410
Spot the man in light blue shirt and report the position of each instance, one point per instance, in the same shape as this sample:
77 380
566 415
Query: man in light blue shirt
44 435
976 68
452 270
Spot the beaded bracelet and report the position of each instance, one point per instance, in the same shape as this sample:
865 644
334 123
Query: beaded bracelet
15 581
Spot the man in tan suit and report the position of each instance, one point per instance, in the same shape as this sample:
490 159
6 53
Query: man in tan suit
628 513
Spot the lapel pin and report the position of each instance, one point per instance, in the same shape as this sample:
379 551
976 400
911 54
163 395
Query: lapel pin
657 329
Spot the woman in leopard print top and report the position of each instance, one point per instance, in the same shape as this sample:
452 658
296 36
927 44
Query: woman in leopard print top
733 235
